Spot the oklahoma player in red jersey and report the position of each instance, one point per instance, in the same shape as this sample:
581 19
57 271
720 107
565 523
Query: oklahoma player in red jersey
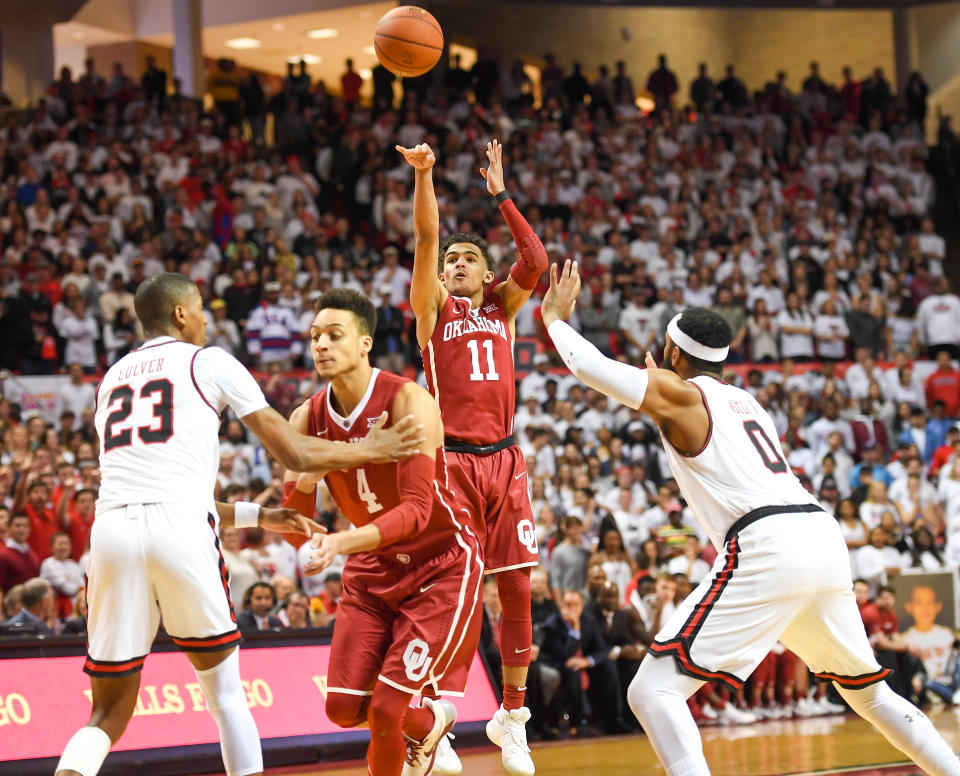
466 330
410 613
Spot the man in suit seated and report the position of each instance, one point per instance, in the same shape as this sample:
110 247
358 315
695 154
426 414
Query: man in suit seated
574 646
37 604
259 599
623 631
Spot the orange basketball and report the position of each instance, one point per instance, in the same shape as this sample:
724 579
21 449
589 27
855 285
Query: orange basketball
408 41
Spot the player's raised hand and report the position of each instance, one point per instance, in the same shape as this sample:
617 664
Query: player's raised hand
648 361
325 550
286 520
420 157
493 173
561 297
401 440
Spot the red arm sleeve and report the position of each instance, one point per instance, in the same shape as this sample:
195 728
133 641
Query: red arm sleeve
304 503
532 260
416 500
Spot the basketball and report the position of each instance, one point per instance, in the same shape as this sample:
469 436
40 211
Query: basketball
408 41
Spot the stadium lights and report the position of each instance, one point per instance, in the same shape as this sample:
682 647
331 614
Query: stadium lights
243 43
322 32
310 59
370 50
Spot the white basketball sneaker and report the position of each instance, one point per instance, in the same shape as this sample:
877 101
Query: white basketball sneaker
731 715
446 762
422 754
508 730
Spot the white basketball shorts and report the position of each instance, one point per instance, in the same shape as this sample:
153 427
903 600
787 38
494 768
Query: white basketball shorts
148 560
784 577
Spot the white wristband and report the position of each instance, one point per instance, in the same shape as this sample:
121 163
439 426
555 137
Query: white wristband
246 514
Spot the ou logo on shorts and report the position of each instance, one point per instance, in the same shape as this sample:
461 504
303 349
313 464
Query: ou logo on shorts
417 660
527 535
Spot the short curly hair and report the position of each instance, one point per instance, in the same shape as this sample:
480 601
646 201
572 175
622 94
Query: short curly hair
709 329
352 301
467 237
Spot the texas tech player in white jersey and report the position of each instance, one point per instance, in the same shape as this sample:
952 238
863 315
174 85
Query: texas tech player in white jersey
782 572
741 468
158 414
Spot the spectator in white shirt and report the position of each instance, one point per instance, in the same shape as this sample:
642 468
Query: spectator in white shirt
859 376
796 330
392 273
818 433
75 395
831 332
938 320
60 570
534 384
80 330
932 245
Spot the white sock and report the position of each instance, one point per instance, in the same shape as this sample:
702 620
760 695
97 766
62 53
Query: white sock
227 703
658 697
904 726
85 752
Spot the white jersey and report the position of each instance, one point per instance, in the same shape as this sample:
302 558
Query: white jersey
158 418
933 648
740 468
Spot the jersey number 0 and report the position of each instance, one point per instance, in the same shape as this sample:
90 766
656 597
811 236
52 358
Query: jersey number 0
771 458
161 391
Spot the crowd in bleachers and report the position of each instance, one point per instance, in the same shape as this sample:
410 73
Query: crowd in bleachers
803 218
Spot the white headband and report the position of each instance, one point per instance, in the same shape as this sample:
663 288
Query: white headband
689 345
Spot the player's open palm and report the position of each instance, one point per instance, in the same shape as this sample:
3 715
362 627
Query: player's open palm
401 440
493 173
420 157
561 297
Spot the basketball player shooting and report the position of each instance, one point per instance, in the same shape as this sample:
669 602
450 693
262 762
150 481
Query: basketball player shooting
466 326
410 614
154 548
782 570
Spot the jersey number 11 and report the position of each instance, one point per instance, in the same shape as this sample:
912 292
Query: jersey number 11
476 375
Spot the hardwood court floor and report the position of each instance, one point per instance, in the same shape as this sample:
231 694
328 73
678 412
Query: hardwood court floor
820 746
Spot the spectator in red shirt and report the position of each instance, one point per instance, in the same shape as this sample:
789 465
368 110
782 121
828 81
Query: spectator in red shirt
883 630
947 451
861 590
944 385
75 515
32 496
18 562
850 93
350 83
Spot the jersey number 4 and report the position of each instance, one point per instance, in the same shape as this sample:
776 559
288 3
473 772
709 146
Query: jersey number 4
161 391
768 452
367 495
475 374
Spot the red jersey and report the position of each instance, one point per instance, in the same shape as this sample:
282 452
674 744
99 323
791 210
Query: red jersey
877 621
368 492
468 363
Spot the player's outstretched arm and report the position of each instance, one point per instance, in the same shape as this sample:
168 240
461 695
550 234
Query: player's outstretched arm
532 256
659 392
308 454
415 476
283 520
427 294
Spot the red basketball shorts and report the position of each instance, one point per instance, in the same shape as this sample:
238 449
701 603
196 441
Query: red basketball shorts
409 626
495 486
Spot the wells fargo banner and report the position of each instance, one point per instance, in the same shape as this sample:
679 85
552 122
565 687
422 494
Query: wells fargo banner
44 700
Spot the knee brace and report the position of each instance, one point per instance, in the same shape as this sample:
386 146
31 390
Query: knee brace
516 626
